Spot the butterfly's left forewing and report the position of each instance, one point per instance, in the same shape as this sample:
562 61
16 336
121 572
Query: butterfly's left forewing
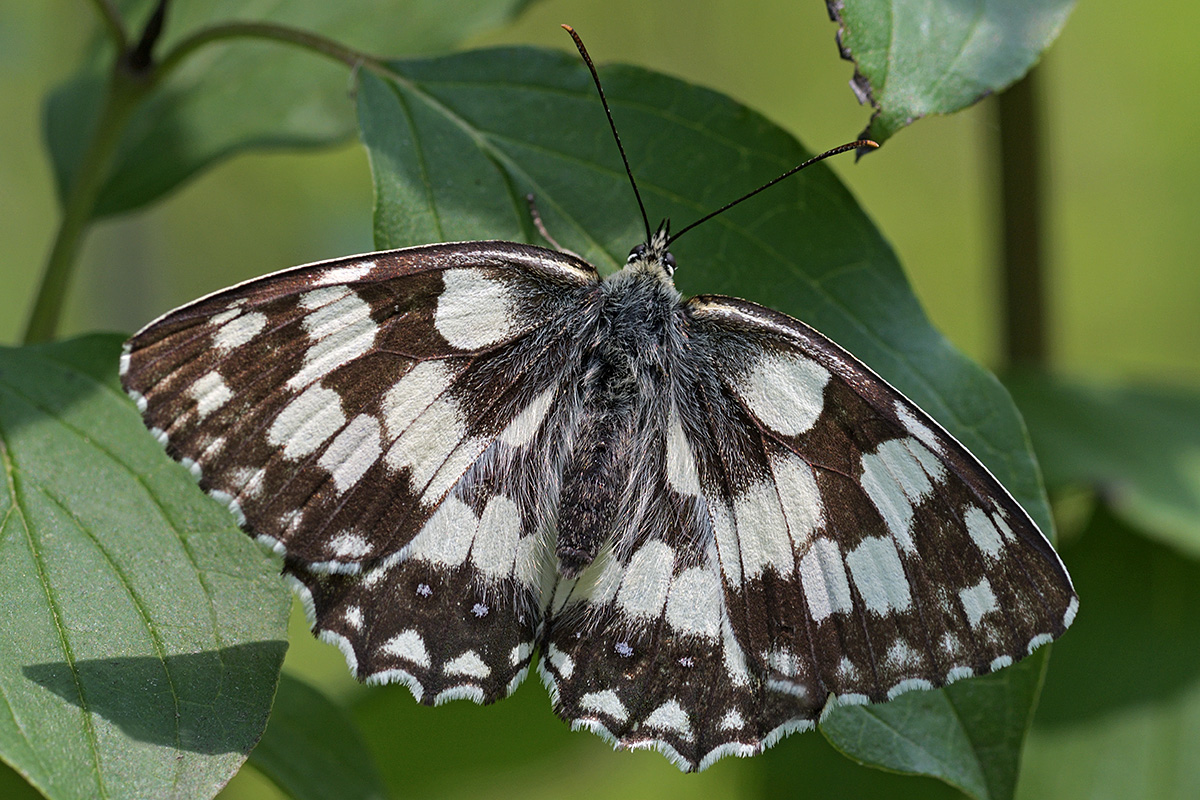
382 422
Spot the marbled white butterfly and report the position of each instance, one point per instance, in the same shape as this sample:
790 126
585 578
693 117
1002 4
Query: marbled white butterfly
710 520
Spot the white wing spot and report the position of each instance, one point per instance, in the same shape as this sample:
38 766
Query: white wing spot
726 534
319 298
605 702
414 393
647 579
354 617
732 721
917 428
239 330
409 646
801 499
468 664
349 545
823 576
495 545
786 391
692 606
473 310
210 393
525 425
895 480
983 533
341 332
762 531
520 653
307 422
671 716
1072 610
561 661
681 465
427 444
454 467
599 582
347 273
623 649
908 685
480 610
353 452
734 656
446 538
225 316
958 673
1038 641
977 601
879 576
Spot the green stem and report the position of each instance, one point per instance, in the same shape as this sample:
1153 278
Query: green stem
125 90
111 17
278 33
123 93
1025 326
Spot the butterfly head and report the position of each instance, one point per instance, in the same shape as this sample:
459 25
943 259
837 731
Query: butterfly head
654 256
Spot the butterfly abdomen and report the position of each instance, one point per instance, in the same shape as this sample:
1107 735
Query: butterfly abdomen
623 375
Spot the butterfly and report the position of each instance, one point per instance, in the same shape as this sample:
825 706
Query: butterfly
711 521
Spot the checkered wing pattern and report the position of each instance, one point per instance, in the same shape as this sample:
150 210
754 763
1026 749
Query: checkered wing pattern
812 538
380 421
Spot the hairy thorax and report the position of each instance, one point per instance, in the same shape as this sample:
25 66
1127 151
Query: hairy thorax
625 376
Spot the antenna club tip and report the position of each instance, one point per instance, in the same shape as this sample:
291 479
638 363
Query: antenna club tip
567 28
867 143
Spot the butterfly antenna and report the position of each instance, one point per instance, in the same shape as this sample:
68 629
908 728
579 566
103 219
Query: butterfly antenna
861 143
604 101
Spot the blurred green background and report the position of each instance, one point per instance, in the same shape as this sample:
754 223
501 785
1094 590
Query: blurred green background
1123 180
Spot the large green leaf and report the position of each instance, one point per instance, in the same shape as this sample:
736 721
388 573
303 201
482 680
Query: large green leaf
244 94
143 633
456 143
919 57
312 749
960 731
1120 715
1139 446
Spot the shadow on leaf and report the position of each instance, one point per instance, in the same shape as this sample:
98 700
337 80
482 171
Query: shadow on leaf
199 702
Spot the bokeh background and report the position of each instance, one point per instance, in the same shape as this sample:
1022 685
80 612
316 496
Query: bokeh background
1122 176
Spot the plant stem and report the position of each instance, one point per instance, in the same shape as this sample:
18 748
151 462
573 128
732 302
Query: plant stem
112 21
1025 328
127 86
121 97
279 33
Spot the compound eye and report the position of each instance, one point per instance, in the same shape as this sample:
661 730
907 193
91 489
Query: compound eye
669 262
636 253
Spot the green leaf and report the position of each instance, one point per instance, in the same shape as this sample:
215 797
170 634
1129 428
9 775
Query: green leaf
968 735
240 95
919 57
143 633
1139 446
312 748
1120 714
456 143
